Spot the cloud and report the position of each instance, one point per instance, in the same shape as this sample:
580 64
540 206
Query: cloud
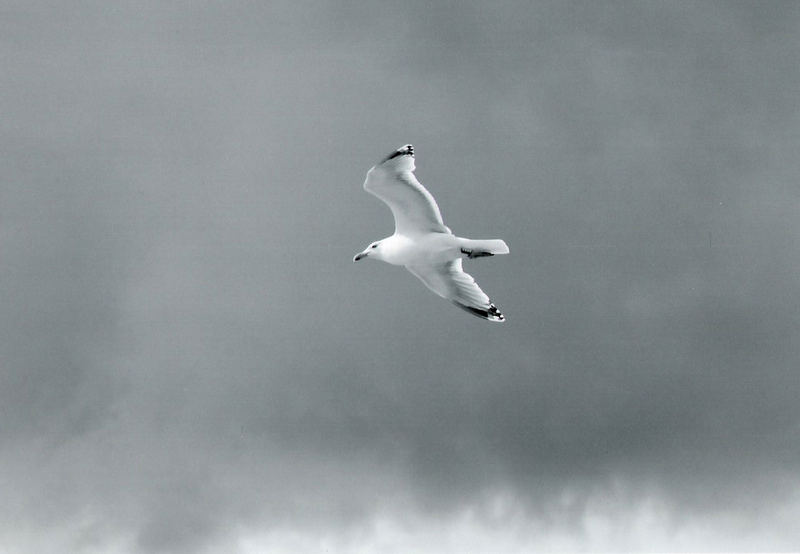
192 363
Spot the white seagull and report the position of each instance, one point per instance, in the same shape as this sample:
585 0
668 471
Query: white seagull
421 242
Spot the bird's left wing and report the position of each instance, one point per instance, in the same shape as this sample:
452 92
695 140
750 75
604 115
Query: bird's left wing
414 208
449 281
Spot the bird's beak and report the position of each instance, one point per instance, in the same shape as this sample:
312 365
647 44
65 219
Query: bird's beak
359 256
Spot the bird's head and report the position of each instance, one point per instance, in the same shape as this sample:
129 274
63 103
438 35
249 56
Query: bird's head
371 251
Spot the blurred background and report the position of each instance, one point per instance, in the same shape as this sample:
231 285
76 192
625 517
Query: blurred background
190 361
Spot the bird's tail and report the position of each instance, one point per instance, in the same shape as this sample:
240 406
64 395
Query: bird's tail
479 248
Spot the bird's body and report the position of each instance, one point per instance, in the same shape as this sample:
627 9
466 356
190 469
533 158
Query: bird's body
429 248
421 242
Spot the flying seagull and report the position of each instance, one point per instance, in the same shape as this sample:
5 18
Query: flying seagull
421 242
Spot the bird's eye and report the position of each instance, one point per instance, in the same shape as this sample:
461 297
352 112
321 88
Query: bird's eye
374 246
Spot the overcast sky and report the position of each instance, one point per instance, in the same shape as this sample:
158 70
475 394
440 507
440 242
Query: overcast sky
191 362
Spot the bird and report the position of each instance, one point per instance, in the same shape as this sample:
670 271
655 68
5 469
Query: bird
421 242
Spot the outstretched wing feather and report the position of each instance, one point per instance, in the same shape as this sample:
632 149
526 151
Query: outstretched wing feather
414 208
449 281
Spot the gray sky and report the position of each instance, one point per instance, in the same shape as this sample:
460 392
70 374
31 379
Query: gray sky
192 363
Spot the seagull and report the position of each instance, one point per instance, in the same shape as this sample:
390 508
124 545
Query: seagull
421 242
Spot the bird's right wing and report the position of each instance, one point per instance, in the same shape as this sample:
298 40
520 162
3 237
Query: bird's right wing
449 281
414 208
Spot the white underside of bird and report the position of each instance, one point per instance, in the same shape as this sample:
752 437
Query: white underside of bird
421 242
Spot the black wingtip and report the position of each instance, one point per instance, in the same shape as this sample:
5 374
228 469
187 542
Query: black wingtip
490 314
407 150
